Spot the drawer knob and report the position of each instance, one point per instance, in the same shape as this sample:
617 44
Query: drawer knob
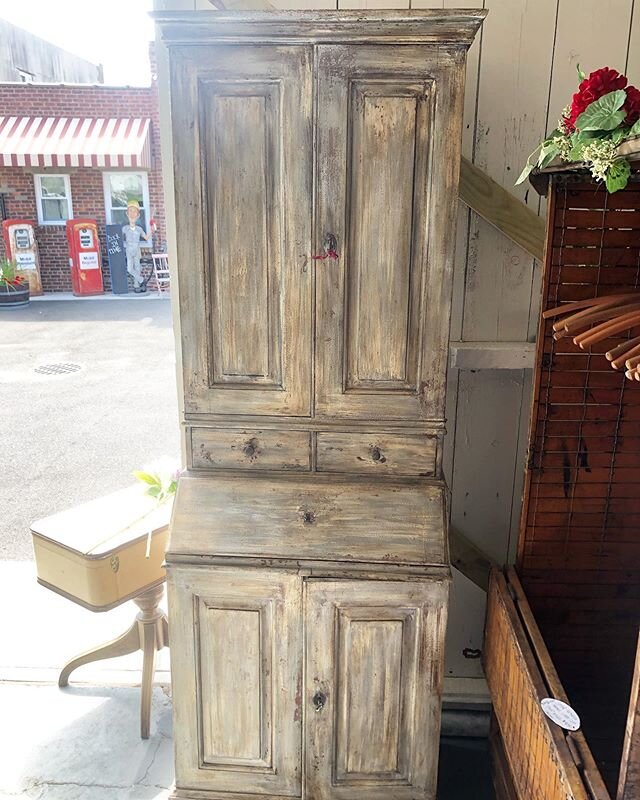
250 448
308 517
319 699
377 455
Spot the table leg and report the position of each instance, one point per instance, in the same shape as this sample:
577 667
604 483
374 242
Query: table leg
152 626
149 633
129 642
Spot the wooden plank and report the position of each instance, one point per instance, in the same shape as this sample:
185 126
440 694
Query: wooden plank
629 782
501 209
512 110
469 559
492 355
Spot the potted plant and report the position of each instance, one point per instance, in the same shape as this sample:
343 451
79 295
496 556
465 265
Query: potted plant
603 114
14 288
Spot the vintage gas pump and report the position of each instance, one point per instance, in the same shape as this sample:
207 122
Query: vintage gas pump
84 256
21 247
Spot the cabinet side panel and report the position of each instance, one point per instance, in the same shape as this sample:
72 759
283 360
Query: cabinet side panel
230 684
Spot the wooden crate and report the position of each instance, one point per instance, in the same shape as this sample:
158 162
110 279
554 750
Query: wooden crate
579 550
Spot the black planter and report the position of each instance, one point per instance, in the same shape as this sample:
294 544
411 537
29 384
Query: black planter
12 296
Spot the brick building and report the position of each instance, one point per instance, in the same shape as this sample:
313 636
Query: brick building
80 151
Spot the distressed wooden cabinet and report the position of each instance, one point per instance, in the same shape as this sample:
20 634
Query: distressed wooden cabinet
316 164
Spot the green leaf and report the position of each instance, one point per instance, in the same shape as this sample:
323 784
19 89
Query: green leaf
618 175
524 174
575 154
620 134
154 491
582 137
603 114
635 129
547 154
145 477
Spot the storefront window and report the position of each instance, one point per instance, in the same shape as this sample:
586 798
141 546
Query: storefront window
53 193
119 189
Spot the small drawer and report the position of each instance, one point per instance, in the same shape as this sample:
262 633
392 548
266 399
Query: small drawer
377 453
250 449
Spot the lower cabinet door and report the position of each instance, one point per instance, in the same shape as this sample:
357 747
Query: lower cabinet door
373 688
236 663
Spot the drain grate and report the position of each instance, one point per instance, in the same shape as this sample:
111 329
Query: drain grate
57 369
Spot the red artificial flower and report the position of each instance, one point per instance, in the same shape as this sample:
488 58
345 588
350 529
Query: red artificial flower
597 84
632 105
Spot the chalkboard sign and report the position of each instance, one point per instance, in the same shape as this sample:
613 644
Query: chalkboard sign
117 259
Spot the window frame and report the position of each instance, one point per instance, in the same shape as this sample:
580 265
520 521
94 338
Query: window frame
106 187
39 198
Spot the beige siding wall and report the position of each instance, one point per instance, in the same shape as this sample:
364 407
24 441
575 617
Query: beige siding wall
521 72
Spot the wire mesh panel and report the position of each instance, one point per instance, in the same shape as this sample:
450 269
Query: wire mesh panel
579 554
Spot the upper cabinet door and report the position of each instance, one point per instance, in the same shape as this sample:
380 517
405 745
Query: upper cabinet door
242 128
388 139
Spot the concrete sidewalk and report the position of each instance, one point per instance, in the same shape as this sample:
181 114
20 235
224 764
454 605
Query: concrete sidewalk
82 742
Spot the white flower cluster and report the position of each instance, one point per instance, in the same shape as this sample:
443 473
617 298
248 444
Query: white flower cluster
563 143
600 154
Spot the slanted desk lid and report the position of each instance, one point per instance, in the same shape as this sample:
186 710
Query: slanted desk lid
310 517
95 528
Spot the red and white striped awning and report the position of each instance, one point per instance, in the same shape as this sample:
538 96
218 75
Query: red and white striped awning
74 142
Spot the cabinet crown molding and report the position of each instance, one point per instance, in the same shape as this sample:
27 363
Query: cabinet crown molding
455 26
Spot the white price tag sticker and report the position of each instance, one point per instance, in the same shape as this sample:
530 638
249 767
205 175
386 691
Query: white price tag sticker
560 713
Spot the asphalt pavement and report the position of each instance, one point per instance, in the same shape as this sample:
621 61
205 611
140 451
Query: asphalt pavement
69 436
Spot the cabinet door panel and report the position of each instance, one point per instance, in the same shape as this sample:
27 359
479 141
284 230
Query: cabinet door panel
236 665
388 140
373 688
243 211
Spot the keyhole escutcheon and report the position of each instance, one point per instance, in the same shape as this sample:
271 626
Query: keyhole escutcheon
319 699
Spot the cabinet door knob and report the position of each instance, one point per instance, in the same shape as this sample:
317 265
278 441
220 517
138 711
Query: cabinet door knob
377 455
318 700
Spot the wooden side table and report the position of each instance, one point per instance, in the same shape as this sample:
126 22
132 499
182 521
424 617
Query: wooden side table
99 555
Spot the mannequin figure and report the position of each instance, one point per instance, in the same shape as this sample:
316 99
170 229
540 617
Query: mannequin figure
132 233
